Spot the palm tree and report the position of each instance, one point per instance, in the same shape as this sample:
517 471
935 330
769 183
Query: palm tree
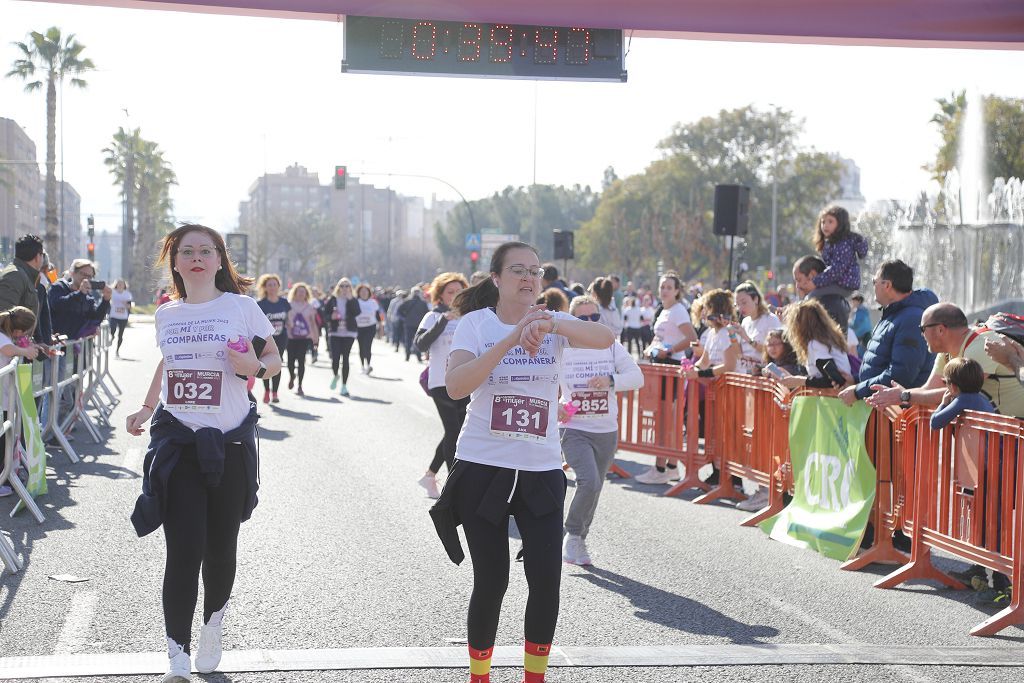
120 161
57 57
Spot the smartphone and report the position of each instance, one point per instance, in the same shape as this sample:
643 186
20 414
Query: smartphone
828 367
775 370
98 284
258 343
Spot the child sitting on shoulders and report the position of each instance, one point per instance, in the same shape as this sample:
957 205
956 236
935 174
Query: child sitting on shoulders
964 378
840 249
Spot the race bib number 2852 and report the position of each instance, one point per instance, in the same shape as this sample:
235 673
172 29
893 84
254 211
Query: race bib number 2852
194 390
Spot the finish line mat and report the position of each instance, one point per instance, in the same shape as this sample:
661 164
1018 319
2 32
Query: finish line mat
239 661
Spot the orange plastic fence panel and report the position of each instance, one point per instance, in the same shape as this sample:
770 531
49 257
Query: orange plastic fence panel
970 494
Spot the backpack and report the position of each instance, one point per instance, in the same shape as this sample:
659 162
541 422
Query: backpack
1005 324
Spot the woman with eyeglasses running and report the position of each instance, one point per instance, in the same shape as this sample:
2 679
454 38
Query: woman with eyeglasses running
589 413
434 334
276 308
507 355
201 471
339 313
673 334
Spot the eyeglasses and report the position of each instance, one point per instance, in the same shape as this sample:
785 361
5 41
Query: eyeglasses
925 327
204 253
523 271
345 286
593 317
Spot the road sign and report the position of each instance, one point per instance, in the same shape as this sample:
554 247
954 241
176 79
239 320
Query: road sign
489 243
473 241
238 247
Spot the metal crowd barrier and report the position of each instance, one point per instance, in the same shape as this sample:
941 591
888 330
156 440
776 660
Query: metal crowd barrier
63 404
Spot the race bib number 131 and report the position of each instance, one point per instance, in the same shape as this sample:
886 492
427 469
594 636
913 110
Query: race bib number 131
520 417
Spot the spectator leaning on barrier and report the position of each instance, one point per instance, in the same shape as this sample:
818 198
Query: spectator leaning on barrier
897 351
72 308
949 336
804 271
18 280
964 379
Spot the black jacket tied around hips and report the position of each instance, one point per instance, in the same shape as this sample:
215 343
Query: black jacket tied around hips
168 436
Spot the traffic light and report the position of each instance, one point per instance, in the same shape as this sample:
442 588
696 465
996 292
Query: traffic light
92 227
92 251
770 274
474 256
340 176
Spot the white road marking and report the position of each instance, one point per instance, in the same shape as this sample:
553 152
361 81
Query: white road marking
75 632
133 458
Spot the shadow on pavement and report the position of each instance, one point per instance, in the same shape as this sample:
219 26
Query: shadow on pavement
385 379
271 434
362 399
317 399
284 412
674 611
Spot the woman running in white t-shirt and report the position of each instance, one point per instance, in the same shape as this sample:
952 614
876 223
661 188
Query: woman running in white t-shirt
120 309
201 472
507 356
367 321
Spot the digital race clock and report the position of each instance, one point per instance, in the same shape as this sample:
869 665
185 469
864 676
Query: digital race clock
423 47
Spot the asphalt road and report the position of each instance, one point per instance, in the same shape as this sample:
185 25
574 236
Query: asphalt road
341 553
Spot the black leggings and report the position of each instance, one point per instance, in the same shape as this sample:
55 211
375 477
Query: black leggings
634 335
297 350
366 335
488 547
274 383
340 348
201 528
117 326
453 414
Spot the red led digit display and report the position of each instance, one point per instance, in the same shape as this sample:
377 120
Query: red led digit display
424 40
470 36
408 46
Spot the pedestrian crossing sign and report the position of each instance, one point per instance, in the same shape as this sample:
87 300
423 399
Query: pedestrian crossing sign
473 241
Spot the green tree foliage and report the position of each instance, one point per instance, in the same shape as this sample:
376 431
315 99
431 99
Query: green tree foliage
531 212
49 58
1004 135
145 178
664 215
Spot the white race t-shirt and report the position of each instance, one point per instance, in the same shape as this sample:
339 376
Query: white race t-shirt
631 317
597 411
440 349
367 313
646 315
757 330
119 304
199 386
816 350
666 327
717 342
512 418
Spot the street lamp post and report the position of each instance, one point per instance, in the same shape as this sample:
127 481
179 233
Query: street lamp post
775 184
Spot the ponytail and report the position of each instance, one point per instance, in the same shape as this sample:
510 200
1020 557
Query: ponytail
481 295
17 318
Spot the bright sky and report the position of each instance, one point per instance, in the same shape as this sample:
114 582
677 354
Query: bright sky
229 97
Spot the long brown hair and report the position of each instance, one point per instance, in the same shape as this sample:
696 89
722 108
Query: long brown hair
261 283
485 293
843 229
17 318
807 321
227 278
602 290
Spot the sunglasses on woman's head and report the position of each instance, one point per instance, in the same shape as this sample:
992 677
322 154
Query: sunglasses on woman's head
593 317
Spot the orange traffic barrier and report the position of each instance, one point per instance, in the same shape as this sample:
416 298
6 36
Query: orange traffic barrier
969 481
654 420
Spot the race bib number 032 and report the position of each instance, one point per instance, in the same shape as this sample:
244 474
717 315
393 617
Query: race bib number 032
590 403
194 390
520 417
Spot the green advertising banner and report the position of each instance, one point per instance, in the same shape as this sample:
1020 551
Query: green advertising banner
34 454
834 480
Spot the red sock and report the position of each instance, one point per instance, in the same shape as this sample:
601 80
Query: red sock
535 659
480 665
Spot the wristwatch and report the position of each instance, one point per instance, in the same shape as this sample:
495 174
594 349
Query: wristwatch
905 399
262 371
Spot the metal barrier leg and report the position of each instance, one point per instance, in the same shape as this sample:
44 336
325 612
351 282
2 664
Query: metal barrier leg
26 498
618 471
9 555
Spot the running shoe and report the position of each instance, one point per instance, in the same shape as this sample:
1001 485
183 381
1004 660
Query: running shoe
274 398
995 596
755 502
369 369
967 576
291 382
574 550
179 668
299 391
266 397
344 390
653 476
334 383
5 491
429 482
209 653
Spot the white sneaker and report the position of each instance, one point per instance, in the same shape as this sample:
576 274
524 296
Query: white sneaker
574 550
757 501
429 482
209 652
179 669
653 476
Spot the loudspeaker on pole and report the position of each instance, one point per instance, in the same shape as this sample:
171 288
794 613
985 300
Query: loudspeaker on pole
732 208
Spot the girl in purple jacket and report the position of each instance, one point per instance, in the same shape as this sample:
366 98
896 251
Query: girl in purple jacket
840 249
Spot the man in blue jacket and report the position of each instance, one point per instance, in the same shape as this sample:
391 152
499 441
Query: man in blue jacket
897 353
73 310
